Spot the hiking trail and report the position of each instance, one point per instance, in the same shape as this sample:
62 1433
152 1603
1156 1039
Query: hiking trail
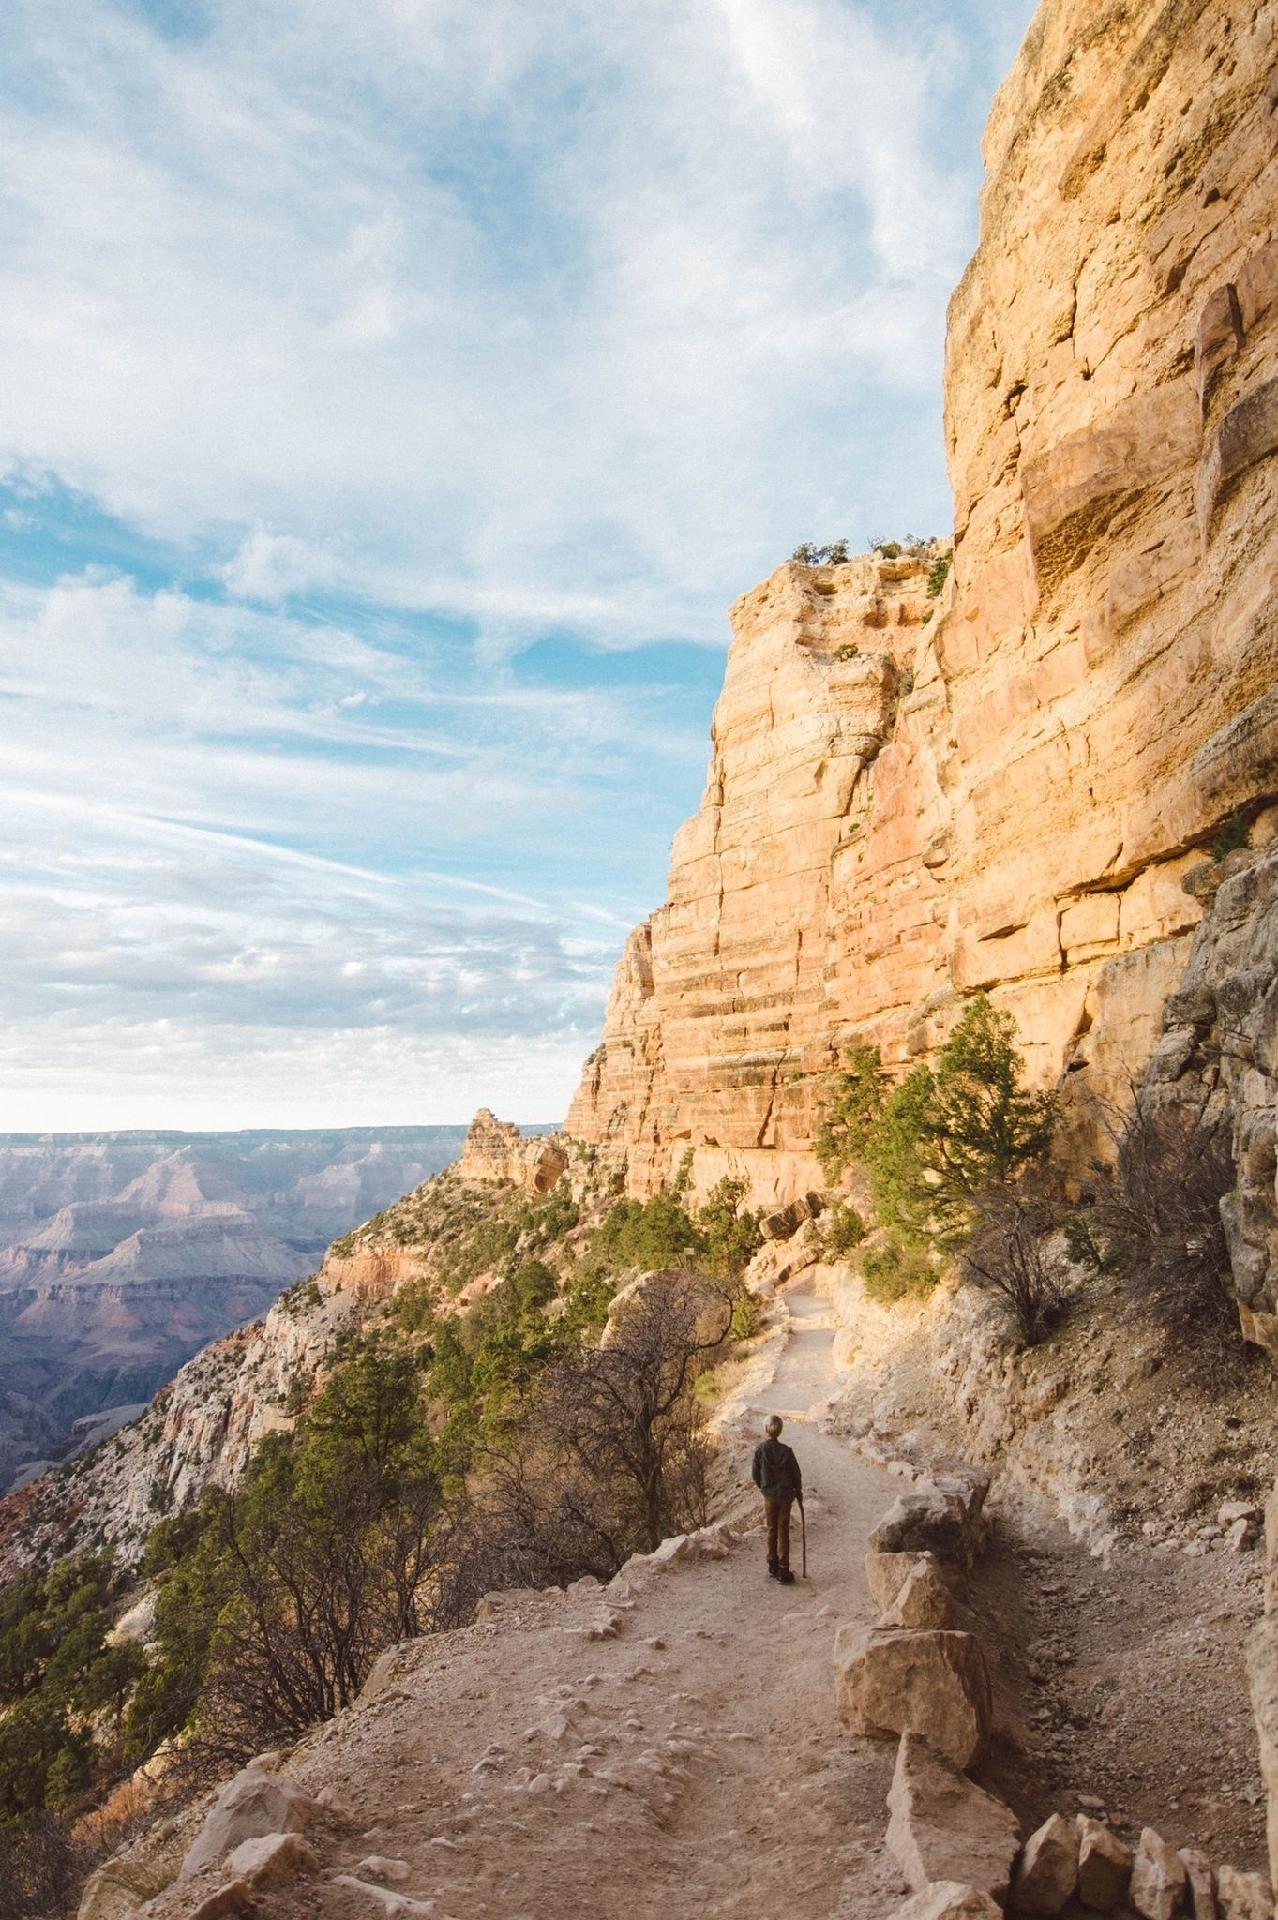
685 1761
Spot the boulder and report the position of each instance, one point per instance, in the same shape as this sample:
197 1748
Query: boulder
1201 1882
272 1859
944 1827
948 1900
923 1600
1047 1869
1158 1877
232 1897
930 1519
886 1574
250 1806
119 1888
1243 1896
893 1680
1104 1866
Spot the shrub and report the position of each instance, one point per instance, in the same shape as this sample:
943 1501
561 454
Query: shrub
1233 835
331 1548
613 1455
834 555
852 1109
42 1866
730 1233
1009 1257
842 1230
897 1270
943 1137
939 572
1154 1217
648 1234
747 1315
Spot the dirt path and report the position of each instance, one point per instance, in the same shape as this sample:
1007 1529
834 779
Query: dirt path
686 1761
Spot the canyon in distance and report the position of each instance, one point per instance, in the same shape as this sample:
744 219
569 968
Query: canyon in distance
122 1254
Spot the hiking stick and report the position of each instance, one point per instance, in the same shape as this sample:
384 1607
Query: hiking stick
803 1527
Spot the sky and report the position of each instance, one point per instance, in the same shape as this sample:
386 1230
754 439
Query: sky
396 395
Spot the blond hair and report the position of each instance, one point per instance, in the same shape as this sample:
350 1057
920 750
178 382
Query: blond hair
774 1426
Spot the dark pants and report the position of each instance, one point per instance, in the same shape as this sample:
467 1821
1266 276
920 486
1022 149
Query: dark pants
778 1512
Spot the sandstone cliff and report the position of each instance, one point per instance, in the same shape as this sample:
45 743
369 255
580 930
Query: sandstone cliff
1003 788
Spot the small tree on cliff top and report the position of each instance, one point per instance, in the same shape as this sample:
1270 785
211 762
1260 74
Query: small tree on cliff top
945 1136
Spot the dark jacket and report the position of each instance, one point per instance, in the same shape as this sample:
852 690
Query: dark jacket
775 1471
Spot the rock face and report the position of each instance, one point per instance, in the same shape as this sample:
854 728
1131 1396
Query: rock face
1218 1060
1002 787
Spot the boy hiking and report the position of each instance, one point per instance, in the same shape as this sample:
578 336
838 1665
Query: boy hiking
776 1474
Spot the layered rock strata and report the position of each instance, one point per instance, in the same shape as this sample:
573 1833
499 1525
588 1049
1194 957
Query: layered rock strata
1002 788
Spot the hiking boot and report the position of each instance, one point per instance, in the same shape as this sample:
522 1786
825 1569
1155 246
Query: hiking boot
784 1575
774 1571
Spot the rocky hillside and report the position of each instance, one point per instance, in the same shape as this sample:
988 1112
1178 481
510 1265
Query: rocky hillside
921 788
121 1255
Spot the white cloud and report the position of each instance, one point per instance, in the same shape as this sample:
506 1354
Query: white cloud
535 313
273 566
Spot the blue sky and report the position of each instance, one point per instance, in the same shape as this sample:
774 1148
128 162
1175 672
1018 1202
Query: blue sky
397 393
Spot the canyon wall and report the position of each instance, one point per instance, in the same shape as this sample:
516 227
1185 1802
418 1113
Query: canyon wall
1003 786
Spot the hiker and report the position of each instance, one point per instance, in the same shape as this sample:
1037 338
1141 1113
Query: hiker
776 1474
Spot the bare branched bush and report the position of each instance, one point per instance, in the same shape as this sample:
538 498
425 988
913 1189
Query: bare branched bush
613 1454
42 1867
1011 1258
1155 1217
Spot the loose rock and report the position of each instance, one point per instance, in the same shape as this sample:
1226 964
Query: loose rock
949 1900
249 1806
1158 1877
1104 1866
1047 1869
1243 1896
1201 1882
118 1890
272 1859
886 1574
923 1601
393 1905
234 1897
929 1519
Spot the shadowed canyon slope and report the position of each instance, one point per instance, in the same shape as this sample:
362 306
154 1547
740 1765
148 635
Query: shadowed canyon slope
1005 786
